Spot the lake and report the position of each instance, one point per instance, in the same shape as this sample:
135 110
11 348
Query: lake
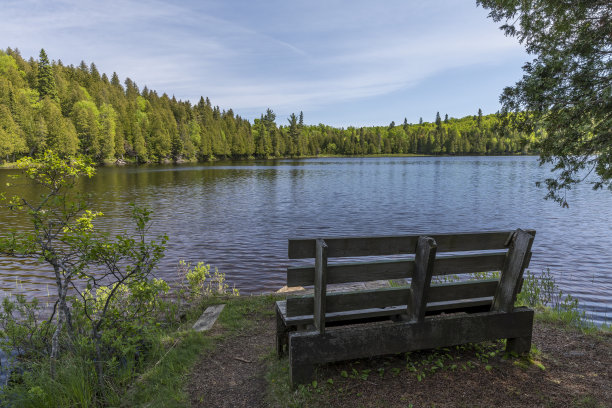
237 216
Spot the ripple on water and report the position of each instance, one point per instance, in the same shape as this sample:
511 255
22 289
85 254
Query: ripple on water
238 216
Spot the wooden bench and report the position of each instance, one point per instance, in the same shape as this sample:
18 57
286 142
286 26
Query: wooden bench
325 327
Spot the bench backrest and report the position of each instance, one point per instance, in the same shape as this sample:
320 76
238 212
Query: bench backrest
436 254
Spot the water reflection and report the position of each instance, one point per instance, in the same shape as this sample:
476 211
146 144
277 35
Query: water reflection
238 215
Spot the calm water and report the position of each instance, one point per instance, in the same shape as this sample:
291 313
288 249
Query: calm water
238 215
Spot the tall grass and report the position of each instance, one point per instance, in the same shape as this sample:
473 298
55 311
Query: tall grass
542 293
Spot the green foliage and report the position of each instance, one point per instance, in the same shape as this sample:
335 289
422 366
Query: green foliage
24 332
543 293
108 320
46 79
106 121
113 324
567 89
201 283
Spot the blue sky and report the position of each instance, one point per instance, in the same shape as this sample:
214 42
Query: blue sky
342 63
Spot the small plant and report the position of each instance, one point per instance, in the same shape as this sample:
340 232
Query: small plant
544 293
201 283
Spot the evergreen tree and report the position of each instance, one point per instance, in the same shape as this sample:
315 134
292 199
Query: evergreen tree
565 90
293 127
45 77
115 81
93 70
268 119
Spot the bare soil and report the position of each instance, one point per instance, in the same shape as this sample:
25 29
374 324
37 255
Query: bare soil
233 375
570 370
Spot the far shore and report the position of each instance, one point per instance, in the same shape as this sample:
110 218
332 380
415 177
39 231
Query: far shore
169 161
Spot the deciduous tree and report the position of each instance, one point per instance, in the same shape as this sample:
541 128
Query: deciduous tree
567 89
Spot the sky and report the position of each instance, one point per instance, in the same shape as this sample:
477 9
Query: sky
343 63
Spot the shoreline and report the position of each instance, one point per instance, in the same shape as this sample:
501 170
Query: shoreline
174 162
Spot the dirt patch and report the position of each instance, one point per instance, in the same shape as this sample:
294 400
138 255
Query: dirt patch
571 369
233 376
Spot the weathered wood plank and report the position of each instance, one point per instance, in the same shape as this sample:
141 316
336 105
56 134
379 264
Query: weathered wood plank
397 269
392 245
353 272
344 301
434 307
348 316
320 286
512 272
346 343
462 290
389 297
450 305
518 344
208 318
421 278
281 331
461 264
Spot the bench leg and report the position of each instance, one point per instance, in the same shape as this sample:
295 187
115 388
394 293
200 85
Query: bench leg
300 374
282 333
518 345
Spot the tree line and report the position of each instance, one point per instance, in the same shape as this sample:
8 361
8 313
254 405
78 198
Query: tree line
77 110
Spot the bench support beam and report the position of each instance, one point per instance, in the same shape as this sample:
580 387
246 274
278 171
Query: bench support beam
307 349
320 286
517 260
421 279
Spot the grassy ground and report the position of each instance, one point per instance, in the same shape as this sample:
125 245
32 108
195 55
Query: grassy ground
235 365
163 384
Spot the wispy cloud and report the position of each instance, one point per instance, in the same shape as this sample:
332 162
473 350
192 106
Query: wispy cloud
249 55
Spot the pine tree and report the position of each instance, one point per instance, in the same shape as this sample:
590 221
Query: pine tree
115 81
45 77
293 126
94 73
268 120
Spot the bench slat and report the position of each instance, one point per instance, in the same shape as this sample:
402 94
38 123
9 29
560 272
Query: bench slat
447 306
396 269
462 290
389 297
393 245
345 301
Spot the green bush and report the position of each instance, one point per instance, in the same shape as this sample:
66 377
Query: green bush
543 293
110 315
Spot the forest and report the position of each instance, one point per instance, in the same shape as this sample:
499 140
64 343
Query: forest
76 110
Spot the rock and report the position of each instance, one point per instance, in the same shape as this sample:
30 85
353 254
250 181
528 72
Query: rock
286 289
208 318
